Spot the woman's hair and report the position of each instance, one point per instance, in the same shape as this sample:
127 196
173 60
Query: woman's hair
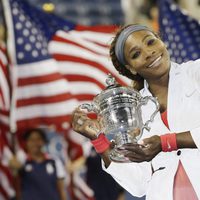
137 80
40 132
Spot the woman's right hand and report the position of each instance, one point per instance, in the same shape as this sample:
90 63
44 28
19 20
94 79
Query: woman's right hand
89 128
15 164
82 124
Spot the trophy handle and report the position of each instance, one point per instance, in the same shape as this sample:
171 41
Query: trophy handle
90 107
144 102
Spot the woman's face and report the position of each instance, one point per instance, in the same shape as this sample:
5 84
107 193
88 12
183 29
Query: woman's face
146 55
34 143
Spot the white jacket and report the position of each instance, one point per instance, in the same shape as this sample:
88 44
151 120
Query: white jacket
183 111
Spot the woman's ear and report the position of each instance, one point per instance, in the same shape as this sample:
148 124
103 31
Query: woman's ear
131 69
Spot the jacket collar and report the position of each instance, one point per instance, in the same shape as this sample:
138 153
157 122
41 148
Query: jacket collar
174 70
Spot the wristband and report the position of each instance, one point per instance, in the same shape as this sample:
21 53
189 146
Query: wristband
101 144
168 142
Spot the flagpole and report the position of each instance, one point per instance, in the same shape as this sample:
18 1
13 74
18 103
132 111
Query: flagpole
11 54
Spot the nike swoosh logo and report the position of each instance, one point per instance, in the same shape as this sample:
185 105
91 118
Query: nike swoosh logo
168 145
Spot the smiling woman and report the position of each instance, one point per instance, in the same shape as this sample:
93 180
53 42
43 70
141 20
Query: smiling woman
143 50
167 157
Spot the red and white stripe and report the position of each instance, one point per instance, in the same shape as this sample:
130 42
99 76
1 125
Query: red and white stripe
46 92
42 95
6 187
83 58
48 95
4 88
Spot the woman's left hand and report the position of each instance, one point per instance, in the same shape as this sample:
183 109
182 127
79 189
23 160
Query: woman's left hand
146 150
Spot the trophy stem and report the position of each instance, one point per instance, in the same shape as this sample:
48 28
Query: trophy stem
117 154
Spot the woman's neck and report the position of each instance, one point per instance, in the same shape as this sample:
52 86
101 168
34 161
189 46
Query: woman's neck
38 157
159 89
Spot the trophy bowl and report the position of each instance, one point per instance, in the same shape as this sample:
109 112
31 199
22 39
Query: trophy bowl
119 110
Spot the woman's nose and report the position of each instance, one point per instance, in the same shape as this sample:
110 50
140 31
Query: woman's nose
149 53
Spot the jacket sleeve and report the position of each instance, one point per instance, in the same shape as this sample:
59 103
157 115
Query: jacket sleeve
193 73
134 177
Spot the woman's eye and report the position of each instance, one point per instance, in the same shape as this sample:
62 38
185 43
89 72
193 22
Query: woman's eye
151 41
135 55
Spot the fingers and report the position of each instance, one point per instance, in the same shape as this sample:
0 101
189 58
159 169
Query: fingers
77 113
138 156
100 120
135 133
152 143
134 153
145 152
78 117
137 153
134 148
91 126
147 141
82 124
135 157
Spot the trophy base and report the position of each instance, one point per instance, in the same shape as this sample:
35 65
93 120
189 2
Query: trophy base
117 155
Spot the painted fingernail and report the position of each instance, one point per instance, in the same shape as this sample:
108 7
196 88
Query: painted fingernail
141 142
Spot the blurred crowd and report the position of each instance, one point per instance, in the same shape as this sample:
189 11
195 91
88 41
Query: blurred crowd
113 12
59 166
51 165
146 12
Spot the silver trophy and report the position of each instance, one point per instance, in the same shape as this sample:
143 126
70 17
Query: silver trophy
119 110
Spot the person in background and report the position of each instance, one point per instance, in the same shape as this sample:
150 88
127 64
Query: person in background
103 185
132 10
192 7
165 162
88 180
78 188
41 177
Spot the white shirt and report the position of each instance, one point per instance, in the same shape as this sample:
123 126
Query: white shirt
183 115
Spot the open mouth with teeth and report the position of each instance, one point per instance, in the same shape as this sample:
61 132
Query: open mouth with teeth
155 63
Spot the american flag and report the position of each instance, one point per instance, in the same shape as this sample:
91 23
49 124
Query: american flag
180 31
6 188
4 89
56 65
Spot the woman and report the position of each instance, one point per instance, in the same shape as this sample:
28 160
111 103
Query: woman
41 177
165 162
